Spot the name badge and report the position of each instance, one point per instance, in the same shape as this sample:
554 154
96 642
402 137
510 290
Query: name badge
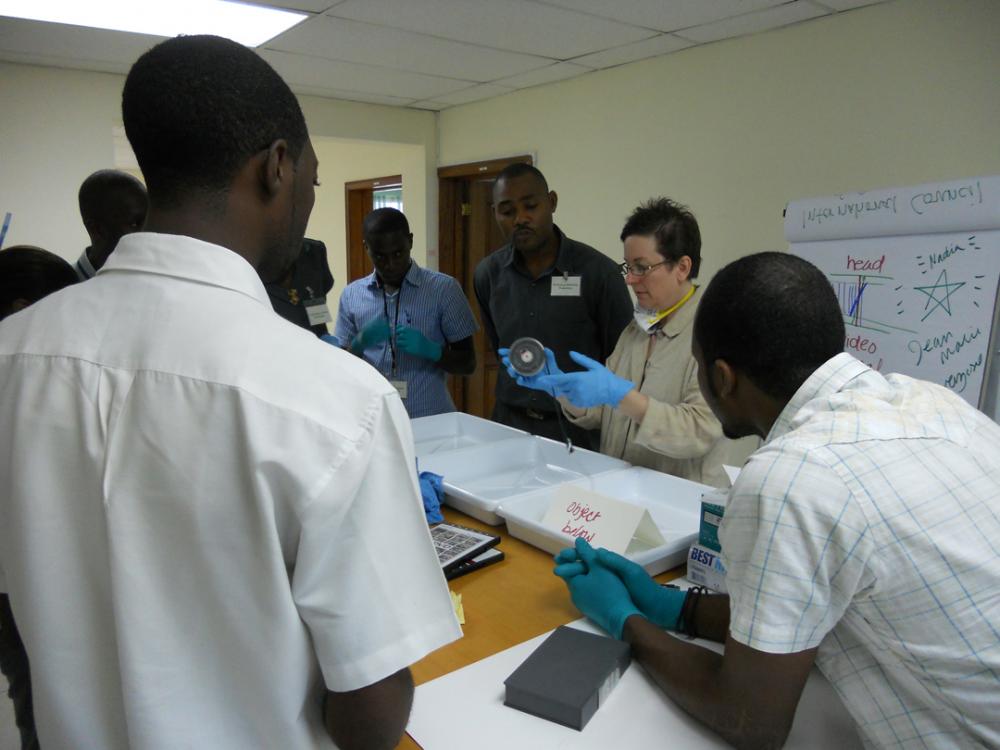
566 286
317 311
400 386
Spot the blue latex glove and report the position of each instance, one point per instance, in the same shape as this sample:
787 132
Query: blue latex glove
412 341
599 593
657 604
595 386
551 368
374 333
330 339
432 492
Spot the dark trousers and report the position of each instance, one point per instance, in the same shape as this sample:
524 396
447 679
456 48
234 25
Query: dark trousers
14 665
546 424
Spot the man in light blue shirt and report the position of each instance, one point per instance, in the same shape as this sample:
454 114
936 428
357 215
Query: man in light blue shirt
412 324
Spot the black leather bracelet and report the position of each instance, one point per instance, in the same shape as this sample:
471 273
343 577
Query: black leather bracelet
686 619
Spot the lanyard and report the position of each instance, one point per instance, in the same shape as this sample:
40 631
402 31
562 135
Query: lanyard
652 320
392 329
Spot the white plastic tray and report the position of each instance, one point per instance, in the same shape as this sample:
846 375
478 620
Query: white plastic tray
673 503
478 479
448 432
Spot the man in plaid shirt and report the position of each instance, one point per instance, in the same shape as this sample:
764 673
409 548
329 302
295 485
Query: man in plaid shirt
863 536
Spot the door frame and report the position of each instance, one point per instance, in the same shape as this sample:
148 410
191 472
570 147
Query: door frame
451 235
452 258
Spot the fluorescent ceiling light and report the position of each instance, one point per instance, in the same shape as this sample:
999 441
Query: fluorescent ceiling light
250 25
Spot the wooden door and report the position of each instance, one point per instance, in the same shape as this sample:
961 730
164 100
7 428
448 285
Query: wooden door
468 233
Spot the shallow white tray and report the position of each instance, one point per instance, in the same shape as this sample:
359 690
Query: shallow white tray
673 503
448 432
478 479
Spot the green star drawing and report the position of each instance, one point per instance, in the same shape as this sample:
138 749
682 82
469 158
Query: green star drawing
941 285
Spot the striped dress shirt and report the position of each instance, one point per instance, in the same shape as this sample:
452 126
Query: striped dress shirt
431 302
868 525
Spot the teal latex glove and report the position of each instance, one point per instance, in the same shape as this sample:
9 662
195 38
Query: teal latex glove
658 604
374 333
569 564
412 341
595 386
551 368
599 593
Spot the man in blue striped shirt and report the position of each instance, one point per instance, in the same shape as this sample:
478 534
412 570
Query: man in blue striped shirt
412 324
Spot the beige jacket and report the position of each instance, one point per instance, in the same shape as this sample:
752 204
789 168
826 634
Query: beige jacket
679 434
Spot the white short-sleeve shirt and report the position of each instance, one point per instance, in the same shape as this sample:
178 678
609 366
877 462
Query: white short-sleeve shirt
206 513
869 525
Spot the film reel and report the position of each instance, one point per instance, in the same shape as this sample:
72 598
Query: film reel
527 356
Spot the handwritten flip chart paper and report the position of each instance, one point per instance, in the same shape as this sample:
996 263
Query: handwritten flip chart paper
601 520
916 273
958 206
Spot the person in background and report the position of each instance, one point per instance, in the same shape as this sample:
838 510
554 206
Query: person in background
646 401
412 324
544 285
27 274
112 204
196 523
860 537
300 297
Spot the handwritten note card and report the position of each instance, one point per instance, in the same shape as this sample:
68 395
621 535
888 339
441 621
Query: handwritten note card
603 521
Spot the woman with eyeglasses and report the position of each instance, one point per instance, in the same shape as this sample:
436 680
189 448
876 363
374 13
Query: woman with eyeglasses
646 401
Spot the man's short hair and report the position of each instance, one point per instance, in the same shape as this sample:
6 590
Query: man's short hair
672 225
29 273
520 169
197 108
96 189
774 316
385 221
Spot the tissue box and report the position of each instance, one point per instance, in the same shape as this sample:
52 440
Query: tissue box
705 568
713 505
568 677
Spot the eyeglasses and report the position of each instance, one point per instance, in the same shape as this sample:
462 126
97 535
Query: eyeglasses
638 269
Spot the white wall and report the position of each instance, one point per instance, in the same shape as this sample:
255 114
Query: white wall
56 128
892 94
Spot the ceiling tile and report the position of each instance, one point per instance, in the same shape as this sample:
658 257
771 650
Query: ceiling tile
751 23
474 94
548 74
309 6
353 41
665 16
658 45
78 47
353 96
315 72
515 25
847 4
432 106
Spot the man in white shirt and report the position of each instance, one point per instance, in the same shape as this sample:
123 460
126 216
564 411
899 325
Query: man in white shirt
861 536
210 530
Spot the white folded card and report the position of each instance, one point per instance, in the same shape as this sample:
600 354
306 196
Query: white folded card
601 520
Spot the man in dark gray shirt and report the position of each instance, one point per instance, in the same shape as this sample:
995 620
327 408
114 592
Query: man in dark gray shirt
542 284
